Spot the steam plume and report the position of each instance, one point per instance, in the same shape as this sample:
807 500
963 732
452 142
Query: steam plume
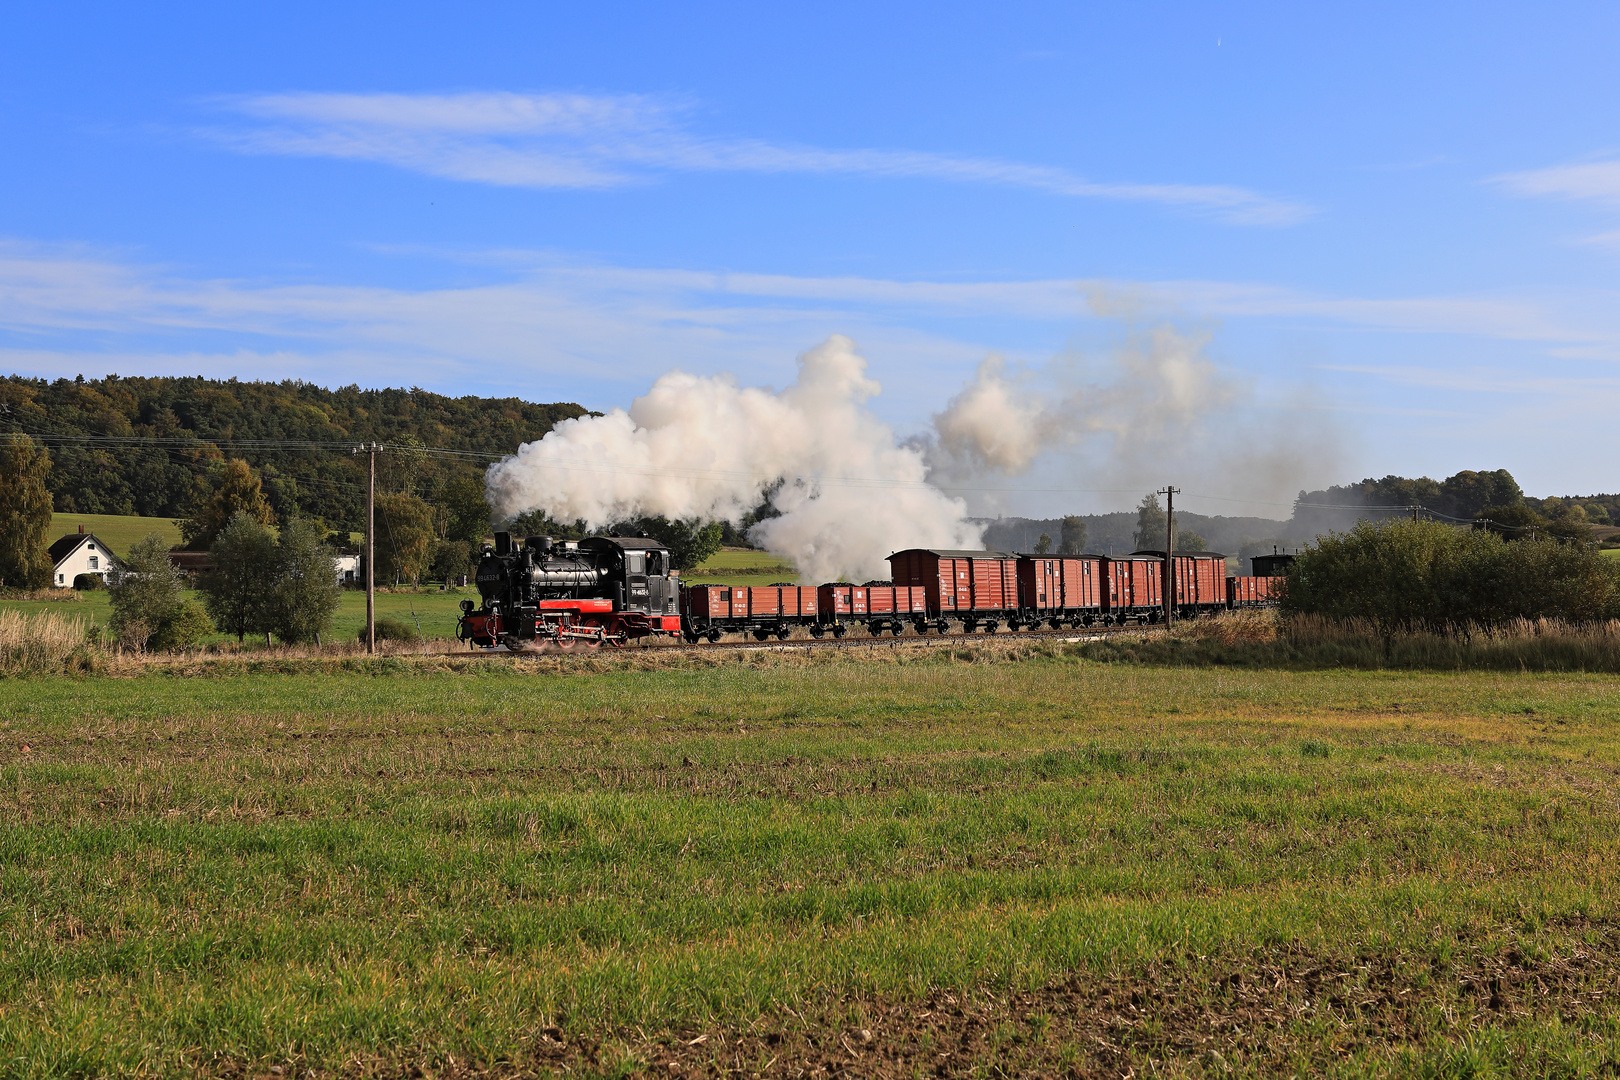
1153 409
703 447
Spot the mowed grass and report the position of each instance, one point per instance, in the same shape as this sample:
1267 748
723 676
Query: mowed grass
118 532
742 566
364 872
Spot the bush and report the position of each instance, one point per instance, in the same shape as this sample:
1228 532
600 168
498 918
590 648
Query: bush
87 582
1411 576
148 596
392 629
185 629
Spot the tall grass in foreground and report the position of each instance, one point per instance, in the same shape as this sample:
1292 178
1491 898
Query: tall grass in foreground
41 644
1263 638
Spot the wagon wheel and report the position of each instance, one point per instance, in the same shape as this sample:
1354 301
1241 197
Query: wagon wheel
782 633
840 630
714 634
816 632
896 629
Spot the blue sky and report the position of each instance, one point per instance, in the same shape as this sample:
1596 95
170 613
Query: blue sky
1400 229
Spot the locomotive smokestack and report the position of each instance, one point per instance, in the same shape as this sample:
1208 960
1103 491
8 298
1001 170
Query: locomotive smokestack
503 543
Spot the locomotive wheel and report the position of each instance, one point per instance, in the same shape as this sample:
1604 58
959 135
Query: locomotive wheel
691 639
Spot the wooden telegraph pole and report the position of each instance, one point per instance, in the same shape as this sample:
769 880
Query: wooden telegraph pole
371 546
1169 585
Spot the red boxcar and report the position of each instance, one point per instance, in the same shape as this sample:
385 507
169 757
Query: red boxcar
1135 587
978 587
1061 589
763 610
1252 591
1200 580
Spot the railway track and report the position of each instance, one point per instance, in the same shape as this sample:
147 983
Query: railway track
1092 633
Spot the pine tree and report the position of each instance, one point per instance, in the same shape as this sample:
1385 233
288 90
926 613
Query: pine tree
25 513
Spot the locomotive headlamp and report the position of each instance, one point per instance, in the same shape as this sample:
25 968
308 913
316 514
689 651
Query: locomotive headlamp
466 607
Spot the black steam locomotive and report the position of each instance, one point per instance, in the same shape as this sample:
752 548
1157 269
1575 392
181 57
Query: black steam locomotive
541 595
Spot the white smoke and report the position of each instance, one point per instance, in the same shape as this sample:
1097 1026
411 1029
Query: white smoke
1158 382
1155 408
702 447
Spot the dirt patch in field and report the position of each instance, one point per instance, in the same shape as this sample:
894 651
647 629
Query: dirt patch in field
1276 1011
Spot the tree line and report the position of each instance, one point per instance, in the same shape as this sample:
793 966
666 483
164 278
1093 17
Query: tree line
207 422
1404 575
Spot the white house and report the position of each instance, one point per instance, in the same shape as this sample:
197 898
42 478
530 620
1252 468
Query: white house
348 569
81 553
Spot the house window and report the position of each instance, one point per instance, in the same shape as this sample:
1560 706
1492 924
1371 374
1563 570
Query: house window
92 547
95 563
61 578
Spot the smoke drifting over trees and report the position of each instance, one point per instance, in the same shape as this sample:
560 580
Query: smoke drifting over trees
848 492
1152 408
702 447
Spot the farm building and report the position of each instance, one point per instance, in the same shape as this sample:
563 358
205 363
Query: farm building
82 553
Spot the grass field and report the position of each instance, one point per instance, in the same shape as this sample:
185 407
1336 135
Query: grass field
116 531
965 862
434 611
742 566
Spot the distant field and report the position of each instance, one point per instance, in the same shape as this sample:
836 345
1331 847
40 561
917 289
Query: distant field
436 612
742 566
118 532
949 865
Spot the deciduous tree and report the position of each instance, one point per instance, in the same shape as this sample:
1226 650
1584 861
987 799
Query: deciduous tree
305 593
1072 541
239 590
148 595
25 513
237 492
404 538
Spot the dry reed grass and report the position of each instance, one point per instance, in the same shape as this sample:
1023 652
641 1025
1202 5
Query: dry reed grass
1264 638
40 643
48 594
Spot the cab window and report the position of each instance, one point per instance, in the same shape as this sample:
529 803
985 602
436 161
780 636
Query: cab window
655 563
632 562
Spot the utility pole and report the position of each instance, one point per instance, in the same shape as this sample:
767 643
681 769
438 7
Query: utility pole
371 546
1169 585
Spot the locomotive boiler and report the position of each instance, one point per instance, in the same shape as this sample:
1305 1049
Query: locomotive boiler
542 595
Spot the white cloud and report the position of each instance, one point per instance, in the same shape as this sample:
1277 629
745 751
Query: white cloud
597 141
1595 181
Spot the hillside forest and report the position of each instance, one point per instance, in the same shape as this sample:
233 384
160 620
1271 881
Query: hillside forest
201 449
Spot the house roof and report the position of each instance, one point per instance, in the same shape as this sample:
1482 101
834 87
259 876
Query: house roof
70 543
191 561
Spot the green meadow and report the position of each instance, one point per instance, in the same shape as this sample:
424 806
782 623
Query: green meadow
919 862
